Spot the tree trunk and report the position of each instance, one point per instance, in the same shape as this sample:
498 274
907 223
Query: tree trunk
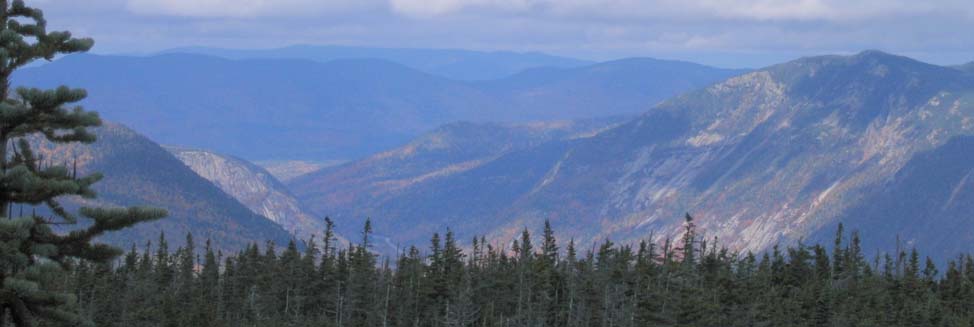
3 170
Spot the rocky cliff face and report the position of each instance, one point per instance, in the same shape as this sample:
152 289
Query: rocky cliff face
771 156
777 154
254 187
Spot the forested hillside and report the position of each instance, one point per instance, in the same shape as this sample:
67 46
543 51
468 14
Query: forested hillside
142 172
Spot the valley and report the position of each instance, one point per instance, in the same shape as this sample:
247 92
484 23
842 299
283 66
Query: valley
746 156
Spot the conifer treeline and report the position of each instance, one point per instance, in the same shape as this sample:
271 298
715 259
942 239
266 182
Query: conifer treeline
690 282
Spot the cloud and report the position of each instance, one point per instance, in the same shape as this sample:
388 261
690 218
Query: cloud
687 9
432 8
671 9
245 8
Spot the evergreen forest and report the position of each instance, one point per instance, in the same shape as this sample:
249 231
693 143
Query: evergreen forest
690 281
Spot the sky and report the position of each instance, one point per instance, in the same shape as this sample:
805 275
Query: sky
726 33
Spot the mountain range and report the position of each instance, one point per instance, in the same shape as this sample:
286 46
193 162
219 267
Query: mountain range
463 65
296 109
877 142
780 154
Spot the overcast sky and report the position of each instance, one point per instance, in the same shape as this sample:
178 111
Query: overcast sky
729 33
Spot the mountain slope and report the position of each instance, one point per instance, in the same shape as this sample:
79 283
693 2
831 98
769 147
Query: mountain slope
454 64
138 171
770 156
358 189
253 187
933 194
304 110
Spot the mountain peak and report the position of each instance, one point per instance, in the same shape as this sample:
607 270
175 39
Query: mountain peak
867 59
877 57
873 53
873 67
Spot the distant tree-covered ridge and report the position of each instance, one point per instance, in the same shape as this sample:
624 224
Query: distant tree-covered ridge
533 281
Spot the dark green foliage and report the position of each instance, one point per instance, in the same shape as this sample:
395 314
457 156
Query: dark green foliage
697 283
33 257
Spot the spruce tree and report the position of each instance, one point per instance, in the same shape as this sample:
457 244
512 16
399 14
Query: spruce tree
32 253
549 283
361 287
207 294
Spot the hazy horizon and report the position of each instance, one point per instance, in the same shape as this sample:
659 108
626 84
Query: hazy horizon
770 60
732 34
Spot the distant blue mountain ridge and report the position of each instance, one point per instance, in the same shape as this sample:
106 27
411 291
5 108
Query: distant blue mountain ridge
302 109
463 65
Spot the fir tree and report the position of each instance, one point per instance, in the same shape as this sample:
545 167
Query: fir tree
361 287
34 254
